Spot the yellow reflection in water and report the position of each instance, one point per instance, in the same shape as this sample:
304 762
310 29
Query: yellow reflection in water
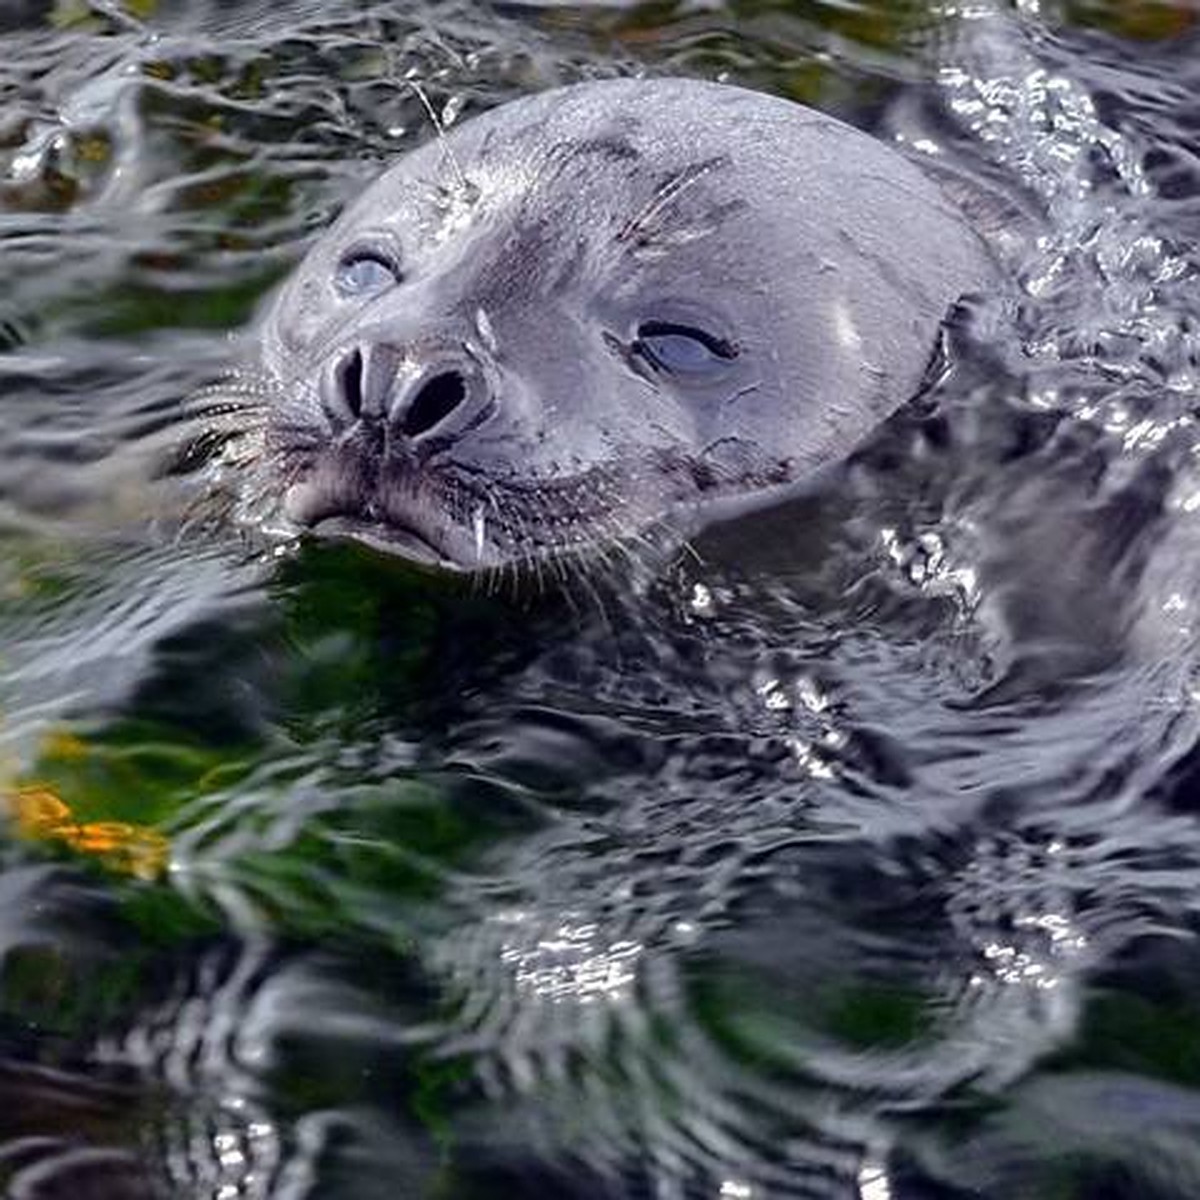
41 815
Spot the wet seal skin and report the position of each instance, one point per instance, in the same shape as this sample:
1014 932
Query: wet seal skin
597 315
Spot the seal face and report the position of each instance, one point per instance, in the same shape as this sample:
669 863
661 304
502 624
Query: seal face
597 311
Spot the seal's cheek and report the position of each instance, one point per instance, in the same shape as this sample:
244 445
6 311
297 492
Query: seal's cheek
295 319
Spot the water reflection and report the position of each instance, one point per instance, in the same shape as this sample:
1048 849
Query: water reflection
569 964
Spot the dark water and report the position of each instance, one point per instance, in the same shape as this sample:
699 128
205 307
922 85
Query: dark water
863 864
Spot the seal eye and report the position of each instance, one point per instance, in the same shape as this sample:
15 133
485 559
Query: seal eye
365 273
681 349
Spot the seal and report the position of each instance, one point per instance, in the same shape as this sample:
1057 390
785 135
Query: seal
598 312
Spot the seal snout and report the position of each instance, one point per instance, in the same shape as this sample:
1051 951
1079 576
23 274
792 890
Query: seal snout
415 399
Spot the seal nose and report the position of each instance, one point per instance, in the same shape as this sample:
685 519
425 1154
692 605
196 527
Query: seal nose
425 406
376 384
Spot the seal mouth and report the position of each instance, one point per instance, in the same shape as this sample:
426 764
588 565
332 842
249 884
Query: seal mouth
441 520
332 506
398 541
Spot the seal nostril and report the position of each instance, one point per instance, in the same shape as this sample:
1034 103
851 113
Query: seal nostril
436 400
350 382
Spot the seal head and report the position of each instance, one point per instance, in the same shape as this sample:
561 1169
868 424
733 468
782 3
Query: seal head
598 311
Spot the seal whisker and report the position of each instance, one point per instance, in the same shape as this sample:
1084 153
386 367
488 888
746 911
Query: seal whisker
232 410
666 194
462 184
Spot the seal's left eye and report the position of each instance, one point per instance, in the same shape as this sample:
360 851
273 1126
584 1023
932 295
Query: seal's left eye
364 272
681 349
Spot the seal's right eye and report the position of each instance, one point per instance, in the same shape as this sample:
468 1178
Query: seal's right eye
365 273
682 350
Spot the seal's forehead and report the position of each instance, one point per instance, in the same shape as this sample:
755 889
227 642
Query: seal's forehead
578 138
591 179
618 184
565 141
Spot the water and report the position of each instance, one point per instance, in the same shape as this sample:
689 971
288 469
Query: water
862 865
